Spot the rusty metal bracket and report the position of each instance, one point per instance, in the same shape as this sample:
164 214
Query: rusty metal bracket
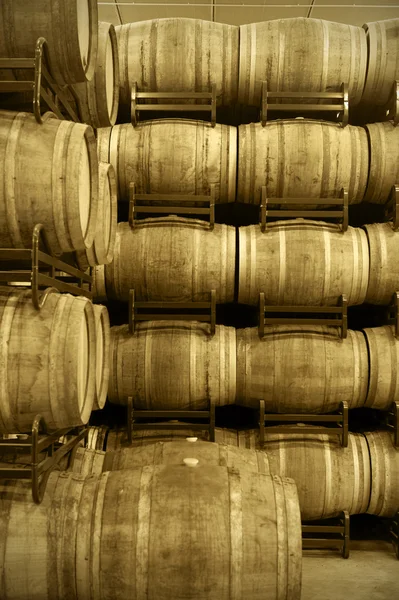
392 422
166 311
392 314
38 470
392 207
191 415
340 530
338 210
137 107
339 315
341 107
394 531
340 419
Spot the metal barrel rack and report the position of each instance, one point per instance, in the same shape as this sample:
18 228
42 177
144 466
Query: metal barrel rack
40 269
394 531
37 470
392 423
137 107
339 103
338 530
42 84
392 207
392 108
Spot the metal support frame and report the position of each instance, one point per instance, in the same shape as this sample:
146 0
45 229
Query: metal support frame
136 108
392 316
340 204
394 531
171 204
392 422
341 531
338 318
341 107
340 420
40 470
392 108
392 207
133 414
42 84
165 311
39 269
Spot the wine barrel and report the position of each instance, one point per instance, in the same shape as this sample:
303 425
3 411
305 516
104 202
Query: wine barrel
384 458
103 335
178 55
47 360
97 437
131 547
172 259
99 289
383 60
172 365
70 29
384 266
302 262
102 250
117 438
168 156
88 462
48 175
383 349
384 161
301 368
301 158
98 99
301 55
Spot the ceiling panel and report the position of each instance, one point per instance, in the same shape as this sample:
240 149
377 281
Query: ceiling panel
375 11
108 14
241 16
166 10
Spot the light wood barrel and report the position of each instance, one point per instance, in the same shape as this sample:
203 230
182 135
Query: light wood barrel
301 368
384 457
178 55
117 438
383 349
48 175
384 161
251 544
99 289
97 438
102 250
69 27
302 262
88 462
383 60
172 259
98 99
301 158
172 365
103 335
306 55
168 156
47 361
384 266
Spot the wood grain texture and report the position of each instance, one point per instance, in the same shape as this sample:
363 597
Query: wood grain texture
384 456
301 55
69 27
384 266
301 368
383 350
47 361
98 288
172 365
172 259
383 60
48 175
117 438
302 262
88 462
167 156
226 535
384 160
301 158
179 55
103 337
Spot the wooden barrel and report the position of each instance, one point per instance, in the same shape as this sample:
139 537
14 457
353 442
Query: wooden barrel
301 55
99 289
302 262
383 60
47 360
98 99
384 266
301 368
169 156
301 158
383 349
251 542
88 462
102 250
172 365
117 438
178 55
384 160
70 29
103 335
48 175
384 458
97 437
172 259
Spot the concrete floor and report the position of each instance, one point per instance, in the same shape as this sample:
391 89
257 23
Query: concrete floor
370 573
